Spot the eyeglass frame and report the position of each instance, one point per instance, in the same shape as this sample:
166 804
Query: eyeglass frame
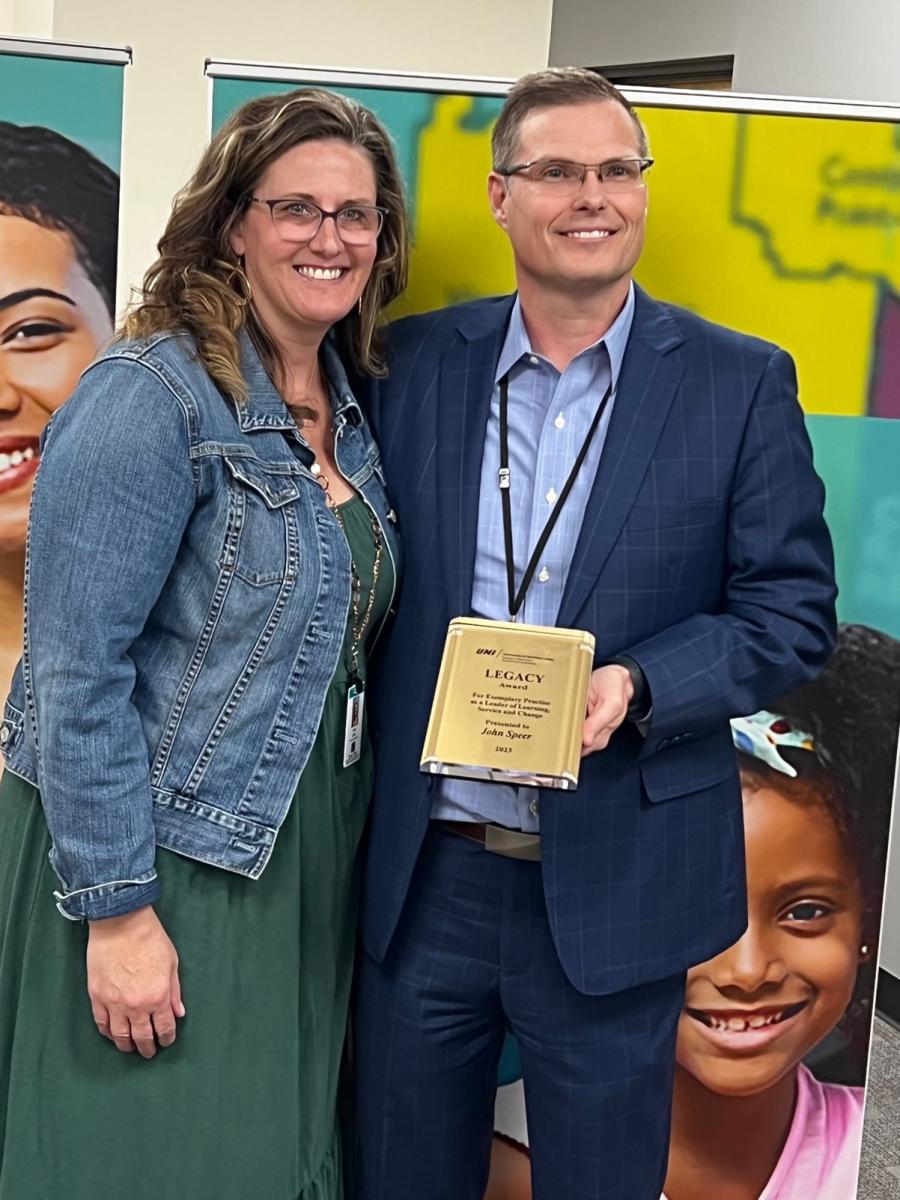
518 168
323 213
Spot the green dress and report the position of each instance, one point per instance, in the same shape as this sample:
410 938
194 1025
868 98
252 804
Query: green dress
243 1105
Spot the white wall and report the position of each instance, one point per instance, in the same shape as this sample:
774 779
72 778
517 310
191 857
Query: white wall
825 48
27 18
590 33
167 99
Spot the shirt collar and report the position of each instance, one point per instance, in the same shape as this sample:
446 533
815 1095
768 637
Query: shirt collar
517 345
264 407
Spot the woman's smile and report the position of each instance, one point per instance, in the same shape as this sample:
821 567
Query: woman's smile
19 457
324 274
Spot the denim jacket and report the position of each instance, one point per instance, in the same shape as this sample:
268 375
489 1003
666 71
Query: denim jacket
187 592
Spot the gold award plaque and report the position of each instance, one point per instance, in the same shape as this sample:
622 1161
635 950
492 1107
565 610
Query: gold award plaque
510 703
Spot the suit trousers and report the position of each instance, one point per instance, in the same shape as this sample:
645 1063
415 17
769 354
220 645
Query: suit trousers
473 956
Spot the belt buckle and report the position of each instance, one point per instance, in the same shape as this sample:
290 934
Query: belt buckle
512 843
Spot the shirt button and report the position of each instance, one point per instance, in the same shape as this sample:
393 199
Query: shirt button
560 422
544 575
551 496
534 360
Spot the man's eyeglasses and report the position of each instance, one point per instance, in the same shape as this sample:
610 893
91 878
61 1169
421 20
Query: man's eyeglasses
300 220
561 175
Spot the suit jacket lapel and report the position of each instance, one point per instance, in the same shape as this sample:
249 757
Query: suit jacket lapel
465 387
646 388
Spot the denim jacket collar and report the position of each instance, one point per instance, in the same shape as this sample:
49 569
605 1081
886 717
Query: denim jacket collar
264 407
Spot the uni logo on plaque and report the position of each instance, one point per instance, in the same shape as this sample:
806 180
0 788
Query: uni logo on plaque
509 704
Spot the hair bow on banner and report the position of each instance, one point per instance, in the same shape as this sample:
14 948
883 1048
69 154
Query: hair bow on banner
764 734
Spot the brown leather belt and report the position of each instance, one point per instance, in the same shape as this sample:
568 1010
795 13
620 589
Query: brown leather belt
511 843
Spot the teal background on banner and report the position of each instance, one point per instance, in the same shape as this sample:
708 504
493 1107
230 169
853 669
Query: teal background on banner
858 459
82 101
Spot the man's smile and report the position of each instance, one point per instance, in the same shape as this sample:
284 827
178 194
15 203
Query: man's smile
589 234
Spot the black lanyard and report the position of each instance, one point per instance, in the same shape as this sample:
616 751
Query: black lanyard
516 599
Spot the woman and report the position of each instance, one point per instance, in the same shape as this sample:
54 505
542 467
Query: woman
58 216
211 556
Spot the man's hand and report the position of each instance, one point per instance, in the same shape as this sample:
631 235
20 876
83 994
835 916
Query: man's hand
609 695
133 984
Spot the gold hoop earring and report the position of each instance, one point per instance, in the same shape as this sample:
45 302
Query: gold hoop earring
245 291
359 305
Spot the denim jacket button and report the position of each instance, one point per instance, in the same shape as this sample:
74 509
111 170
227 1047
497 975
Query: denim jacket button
392 516
4 734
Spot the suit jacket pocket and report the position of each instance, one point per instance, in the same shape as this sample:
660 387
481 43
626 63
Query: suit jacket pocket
679 515
689 766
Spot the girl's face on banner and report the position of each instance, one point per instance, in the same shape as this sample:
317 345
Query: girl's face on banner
52 322
754 1011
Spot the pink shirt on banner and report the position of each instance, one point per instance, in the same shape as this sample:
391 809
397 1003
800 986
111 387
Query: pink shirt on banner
821 1155
820 1160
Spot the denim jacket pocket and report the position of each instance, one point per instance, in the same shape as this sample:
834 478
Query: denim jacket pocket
276 488
11 729
262 543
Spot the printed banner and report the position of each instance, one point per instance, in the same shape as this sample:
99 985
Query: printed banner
60 146
817 775
787 228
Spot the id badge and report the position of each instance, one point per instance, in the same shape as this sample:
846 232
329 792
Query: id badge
353 724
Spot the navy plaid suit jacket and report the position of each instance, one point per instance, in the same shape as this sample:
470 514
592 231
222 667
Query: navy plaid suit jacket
703 554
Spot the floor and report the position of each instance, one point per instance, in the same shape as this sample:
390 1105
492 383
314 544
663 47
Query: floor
879 1177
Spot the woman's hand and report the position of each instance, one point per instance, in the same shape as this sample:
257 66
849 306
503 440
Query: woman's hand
132 981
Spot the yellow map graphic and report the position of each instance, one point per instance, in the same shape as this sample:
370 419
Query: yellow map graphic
458 251
785 227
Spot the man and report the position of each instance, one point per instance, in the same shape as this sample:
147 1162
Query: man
692 546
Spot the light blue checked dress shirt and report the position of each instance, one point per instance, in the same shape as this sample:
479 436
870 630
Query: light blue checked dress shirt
549 417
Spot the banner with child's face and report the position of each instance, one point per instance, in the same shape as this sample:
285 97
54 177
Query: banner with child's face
785 227
60 145
775 1030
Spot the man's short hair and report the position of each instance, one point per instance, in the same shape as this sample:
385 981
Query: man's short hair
549 89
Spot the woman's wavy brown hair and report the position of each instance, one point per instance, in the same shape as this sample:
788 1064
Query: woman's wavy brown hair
196 284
